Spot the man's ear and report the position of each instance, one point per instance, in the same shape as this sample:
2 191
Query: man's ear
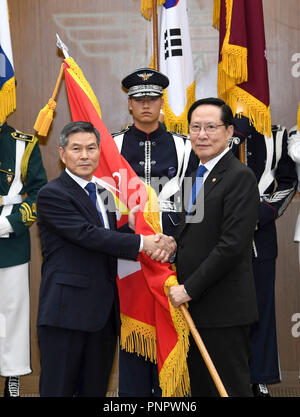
162 103
61 154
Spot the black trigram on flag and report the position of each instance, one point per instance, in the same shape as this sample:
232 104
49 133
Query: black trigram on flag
173 43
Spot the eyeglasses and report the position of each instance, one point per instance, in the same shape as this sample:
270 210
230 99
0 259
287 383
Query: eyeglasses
209 128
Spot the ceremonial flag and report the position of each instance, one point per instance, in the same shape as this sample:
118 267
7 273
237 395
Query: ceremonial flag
176 62
150 324
7 75
242 72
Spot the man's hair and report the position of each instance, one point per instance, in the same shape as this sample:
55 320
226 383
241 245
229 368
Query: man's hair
226 112
76 127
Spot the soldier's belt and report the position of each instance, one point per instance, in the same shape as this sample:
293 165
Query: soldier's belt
6 200
166 205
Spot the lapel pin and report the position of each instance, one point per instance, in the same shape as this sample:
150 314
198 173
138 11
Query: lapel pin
214 180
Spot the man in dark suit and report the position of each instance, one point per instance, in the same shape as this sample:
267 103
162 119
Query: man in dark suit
214 254
78 312
276 176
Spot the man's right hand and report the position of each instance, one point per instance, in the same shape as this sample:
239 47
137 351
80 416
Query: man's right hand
160 247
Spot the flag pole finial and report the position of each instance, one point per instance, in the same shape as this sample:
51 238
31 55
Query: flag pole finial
45 116
62 46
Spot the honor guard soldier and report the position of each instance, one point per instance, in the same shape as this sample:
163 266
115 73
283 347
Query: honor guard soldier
294 153
154 154
277 182
21 176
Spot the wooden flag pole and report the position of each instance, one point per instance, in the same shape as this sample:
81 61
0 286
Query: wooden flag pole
242 153
155 35
205 355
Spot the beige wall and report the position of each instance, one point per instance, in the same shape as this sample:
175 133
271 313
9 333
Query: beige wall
108 39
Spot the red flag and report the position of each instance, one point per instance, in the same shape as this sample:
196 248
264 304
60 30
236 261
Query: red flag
243 73
158 330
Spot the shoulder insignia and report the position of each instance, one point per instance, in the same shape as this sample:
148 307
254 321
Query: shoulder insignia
22 136
277 128
121 132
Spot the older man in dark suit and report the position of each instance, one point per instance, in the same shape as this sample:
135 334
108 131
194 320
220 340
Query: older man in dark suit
214 254
78 312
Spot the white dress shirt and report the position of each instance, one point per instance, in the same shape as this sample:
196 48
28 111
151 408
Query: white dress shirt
100 205
211 164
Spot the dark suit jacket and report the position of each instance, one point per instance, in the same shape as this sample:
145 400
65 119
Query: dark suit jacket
214 256
79 258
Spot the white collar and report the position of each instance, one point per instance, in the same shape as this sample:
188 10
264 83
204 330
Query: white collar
209 165
82 182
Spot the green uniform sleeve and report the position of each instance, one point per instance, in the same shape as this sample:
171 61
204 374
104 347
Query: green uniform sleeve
35 178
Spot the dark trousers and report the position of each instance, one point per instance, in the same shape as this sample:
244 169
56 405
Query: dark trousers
137 377
264 352
229 349
75 362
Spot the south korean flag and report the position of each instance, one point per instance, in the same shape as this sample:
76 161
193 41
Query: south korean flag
175 58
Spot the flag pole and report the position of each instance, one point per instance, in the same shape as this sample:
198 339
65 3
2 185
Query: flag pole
205 355
155 35
242 153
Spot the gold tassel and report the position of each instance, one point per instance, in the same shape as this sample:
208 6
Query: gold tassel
7 99
298 118
45 116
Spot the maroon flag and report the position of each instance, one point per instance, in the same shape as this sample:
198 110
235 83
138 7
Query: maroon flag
243 72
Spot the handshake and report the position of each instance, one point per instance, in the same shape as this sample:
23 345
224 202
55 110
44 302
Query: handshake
159 247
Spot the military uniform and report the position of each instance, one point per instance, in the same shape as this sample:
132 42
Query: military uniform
161 159
277 181
160 154
294 152
21 176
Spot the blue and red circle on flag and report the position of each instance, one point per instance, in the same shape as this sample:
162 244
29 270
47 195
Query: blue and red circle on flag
170 3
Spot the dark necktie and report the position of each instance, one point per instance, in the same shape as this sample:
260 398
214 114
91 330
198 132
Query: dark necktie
91 189
197 185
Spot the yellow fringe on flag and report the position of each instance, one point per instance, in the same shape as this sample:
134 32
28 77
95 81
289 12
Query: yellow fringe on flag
233 68
147 7
178 124
258 113
7 99
174 375
216 14
138 337
298 118
81 80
